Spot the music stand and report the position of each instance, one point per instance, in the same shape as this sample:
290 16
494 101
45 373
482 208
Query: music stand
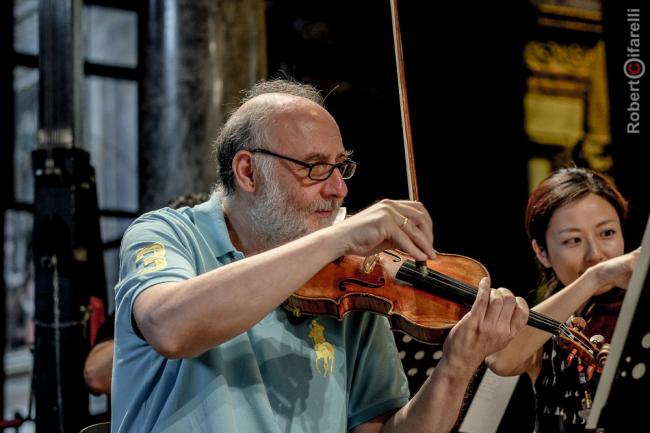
620 403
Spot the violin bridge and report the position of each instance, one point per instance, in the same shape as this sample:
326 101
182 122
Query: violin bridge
369 263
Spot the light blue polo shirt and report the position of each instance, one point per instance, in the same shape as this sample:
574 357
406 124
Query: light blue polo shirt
319 375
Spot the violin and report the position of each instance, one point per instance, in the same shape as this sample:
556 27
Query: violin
424 305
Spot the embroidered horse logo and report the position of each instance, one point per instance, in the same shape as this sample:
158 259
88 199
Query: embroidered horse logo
324 350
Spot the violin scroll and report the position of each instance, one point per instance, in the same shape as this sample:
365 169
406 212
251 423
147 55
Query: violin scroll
592 352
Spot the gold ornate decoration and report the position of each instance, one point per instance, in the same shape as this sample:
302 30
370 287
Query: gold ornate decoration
553 58
567 102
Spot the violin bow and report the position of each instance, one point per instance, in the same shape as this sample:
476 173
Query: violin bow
404 105
406 119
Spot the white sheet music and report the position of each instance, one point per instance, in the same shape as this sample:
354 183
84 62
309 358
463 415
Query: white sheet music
489 403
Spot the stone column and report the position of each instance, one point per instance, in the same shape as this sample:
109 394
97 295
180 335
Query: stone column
199 54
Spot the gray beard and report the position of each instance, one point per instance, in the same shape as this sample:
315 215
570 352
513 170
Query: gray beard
276 221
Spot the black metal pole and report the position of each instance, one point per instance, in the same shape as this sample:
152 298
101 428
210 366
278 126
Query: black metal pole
66 253
6 192
63 190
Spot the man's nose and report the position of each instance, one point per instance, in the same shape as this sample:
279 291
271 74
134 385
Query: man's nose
335 185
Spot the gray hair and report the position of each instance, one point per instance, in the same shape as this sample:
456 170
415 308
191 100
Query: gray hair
246 127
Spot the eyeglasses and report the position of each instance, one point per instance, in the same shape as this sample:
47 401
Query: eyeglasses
318 170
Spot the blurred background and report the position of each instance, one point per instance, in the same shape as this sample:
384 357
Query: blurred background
109 108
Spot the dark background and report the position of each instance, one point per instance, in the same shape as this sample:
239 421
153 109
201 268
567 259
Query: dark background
465 79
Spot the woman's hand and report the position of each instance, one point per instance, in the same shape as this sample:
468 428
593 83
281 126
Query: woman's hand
616 272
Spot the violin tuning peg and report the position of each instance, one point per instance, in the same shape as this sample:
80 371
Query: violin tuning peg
577 323
590 371
597 340
601 358
570 357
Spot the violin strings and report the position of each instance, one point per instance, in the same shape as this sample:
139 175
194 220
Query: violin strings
468 294
541 321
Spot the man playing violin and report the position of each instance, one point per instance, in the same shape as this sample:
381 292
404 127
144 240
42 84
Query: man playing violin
202 342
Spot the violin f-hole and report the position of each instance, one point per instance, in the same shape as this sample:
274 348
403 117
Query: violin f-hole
366 284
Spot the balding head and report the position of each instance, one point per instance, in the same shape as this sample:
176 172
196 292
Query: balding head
250 123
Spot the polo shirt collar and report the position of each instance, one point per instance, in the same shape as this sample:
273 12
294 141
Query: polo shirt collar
210 221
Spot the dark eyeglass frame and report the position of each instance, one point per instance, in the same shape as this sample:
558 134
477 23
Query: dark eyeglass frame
346 167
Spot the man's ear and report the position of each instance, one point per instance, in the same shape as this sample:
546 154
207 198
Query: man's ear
541 253
242 169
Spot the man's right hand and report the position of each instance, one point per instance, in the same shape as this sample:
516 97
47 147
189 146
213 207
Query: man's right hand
388 224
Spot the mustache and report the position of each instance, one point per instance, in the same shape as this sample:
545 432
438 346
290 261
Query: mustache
324 206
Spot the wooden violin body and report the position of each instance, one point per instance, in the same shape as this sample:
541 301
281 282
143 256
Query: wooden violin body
382 284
